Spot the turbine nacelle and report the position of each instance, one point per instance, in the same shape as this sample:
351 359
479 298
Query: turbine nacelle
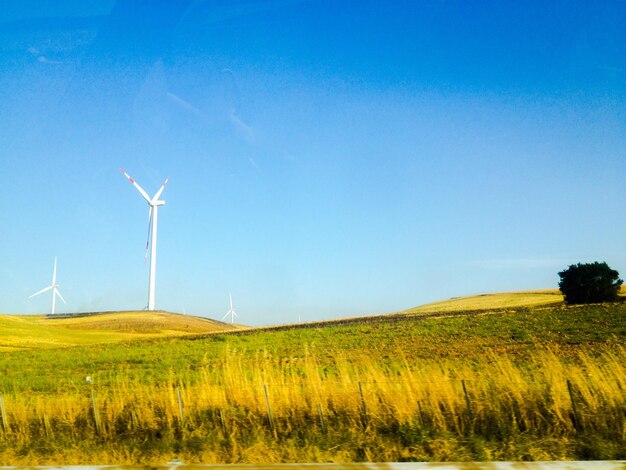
157 203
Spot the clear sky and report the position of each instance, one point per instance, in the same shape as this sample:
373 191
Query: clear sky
326 158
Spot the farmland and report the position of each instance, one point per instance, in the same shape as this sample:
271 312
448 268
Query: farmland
472 382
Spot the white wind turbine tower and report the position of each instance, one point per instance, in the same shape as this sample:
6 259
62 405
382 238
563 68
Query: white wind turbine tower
154 204
54 286
231 311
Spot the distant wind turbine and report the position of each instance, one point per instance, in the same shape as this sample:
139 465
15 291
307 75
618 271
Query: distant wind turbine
154 204
54 286
231 311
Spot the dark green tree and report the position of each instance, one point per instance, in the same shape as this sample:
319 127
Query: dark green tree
586 283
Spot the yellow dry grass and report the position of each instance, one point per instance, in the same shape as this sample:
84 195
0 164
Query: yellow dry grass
229 403
39 331
351 392
501 300
493 301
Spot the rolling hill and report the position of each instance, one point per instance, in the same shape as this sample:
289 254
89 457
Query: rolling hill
534 298
44 331
501 300
18 332
491 377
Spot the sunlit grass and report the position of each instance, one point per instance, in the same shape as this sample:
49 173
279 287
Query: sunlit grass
408 409
40 331
477 385
494 301
535 298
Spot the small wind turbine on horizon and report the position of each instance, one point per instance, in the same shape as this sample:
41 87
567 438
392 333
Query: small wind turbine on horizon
231 311
154 204
55 288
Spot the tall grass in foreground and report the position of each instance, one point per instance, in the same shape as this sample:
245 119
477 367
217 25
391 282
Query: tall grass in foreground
288 409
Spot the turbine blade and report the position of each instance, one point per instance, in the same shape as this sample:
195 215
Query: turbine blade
231 300
56 291
41 291
158 194
225 316
145 256
54 272
139 188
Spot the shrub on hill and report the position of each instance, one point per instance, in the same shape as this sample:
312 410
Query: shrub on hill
586 283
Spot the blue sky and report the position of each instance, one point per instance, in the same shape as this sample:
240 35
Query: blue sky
326 159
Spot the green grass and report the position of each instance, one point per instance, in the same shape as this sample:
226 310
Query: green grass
515 361
473 335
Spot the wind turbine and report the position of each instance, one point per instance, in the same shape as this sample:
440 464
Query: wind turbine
154 204
231 310
54 286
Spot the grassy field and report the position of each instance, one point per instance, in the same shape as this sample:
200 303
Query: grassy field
494 301
41 331
497 383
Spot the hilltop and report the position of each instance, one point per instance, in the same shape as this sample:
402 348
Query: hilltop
535 298
46 331
496 301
